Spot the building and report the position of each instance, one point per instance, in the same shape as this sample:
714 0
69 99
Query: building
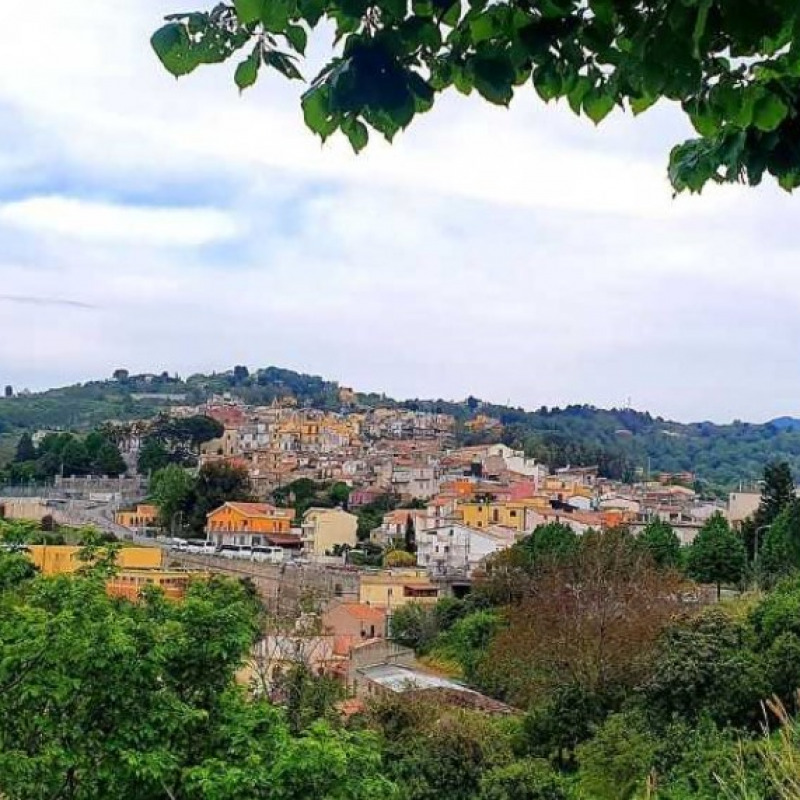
391 588
129 583
54 559
742 505
352 623
326 528
457 549
247 523
143 516
484 514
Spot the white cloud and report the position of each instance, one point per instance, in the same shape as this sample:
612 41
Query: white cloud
520 255
82 219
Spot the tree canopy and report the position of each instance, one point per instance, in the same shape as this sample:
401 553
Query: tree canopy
732 65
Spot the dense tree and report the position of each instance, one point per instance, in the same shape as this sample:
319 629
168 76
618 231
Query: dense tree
103 698
26 451
172 490
527 779
217 482
780 551
707 665
153 456
717 554
662 543
616 761
732 67
777 491
592 621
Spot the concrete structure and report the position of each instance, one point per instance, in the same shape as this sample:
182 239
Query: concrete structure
325 528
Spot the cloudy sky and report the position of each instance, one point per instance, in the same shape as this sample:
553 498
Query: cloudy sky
518 255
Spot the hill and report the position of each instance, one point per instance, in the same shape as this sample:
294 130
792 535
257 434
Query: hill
623 442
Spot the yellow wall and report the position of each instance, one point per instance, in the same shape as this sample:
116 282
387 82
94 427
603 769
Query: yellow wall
482 515
52 559
394 588
227 518
329 527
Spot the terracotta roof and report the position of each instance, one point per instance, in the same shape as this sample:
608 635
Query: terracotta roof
363 612
254 509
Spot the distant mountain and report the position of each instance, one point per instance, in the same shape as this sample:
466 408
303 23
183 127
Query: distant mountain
623 442
785 423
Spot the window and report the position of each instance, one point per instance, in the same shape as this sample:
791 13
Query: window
513 513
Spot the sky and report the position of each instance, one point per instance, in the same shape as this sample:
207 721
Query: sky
521 255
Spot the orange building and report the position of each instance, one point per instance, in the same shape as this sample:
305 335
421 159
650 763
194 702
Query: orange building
130 582
247 523
143 516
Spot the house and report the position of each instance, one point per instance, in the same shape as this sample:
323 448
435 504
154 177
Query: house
247 523
143 516
129 583
395 523
325 528
579 521
353 623
742 505
479 514
391 588
457 549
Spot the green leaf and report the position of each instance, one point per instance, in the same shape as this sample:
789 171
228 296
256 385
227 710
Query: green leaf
494 77
275 15
769 112
283 63
356 132
297 37
597 104
640 104
578 92
173 48
316 112
547 81
247 72
249 11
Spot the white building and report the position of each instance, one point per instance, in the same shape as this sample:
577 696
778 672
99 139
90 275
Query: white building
455 548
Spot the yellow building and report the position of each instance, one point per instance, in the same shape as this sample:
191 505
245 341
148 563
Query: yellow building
325 528
392 588
509 514
143 516
52 559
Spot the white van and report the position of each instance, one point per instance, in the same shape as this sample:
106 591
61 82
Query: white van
270 555
236 551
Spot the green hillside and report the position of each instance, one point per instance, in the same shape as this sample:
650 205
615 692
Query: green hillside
623 442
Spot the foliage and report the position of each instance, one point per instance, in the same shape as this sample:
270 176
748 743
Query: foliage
662 544
717 554
527 779
172 490
467 641
707 665
216 484
399 558
104 698
176 441
616 761
780 551
591 621
733 69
